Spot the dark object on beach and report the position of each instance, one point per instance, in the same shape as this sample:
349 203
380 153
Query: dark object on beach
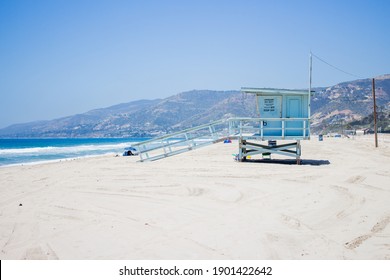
20 204
130 151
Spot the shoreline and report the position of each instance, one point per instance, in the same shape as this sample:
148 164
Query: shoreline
34 151
201 205
56 160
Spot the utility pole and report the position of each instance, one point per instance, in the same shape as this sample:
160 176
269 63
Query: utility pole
310 77
375 124
310 72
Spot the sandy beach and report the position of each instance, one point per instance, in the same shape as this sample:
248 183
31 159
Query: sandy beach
202 205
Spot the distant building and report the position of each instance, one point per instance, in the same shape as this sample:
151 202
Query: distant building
359 132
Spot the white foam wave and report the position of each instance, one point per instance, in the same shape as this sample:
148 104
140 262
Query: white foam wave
63 150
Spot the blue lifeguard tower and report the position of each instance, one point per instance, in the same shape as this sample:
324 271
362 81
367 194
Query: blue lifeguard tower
282 115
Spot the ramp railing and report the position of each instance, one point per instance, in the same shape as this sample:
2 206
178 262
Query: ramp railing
270 128
182 141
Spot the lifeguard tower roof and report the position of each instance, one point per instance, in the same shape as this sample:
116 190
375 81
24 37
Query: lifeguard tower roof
269 91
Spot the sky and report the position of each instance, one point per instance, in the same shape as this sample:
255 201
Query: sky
64 57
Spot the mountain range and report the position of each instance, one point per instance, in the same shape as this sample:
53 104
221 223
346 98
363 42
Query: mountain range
346 102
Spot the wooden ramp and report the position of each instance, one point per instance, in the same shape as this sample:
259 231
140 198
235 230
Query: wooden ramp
183 141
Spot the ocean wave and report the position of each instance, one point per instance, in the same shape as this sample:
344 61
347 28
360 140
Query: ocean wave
64 150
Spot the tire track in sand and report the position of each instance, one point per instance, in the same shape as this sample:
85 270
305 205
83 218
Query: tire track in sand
378 227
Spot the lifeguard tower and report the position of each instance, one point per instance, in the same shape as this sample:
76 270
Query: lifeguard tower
282 115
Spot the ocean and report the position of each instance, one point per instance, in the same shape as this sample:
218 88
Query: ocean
28 151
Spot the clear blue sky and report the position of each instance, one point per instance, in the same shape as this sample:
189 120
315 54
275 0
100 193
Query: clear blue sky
64 57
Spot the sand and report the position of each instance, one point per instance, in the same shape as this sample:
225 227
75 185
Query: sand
202 205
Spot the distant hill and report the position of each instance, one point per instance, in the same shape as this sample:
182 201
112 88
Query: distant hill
348 102
93 123
331 107
138 118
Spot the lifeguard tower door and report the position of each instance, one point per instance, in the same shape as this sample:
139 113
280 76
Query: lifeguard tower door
294 110
270 107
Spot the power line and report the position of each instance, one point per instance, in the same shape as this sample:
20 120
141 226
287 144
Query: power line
341 70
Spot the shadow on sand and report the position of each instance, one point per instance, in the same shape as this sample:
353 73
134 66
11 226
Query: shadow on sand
314 162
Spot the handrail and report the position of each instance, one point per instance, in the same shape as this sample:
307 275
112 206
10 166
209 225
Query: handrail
181 141
262 119
239 125
172 135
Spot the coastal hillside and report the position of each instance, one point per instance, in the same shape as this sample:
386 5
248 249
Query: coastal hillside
344 103
349 102
93 123
138 118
